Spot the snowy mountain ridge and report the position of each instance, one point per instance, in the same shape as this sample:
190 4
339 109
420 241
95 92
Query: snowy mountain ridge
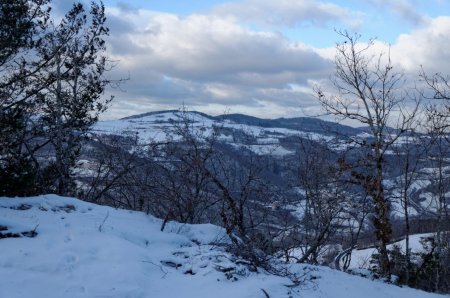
263 136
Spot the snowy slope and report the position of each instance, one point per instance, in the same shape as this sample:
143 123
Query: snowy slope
86 250
157 127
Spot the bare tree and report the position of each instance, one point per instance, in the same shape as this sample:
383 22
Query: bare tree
321 201
111 159
438 125
206 177
183 185
368 90
439 178
408 155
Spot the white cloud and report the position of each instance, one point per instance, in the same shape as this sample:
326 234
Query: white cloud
205 60
290 12
208 46
427 46
212 61
405 9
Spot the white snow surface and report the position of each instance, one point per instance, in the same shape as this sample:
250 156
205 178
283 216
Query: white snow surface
360 258
86 250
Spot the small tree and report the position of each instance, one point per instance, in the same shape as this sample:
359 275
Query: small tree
182 185
322 201
114 160
407 158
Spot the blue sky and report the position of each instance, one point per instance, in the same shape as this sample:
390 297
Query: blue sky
381 18
259 57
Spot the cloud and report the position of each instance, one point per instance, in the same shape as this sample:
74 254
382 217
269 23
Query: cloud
127 8
206 48
427 46
207 60
213 63
290 13
406 9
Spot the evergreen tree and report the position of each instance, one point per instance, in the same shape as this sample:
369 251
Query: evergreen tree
22 23
73 82
52 79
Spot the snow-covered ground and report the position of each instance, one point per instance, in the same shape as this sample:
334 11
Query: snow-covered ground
86 250
360 258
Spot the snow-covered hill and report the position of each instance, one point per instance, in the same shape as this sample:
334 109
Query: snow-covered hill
57 247
266 135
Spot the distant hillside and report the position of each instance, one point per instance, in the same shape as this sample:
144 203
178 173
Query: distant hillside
305 124
165 112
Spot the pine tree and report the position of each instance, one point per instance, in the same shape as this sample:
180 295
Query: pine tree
52 79
21 25
72 85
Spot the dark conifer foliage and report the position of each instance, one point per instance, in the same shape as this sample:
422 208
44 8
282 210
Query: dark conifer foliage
70 100
22 24
50 92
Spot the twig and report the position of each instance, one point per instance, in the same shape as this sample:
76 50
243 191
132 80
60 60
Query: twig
159 266
265 293
104 220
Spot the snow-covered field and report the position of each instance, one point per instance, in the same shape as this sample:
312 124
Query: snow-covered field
86 250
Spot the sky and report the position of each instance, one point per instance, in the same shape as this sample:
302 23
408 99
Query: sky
258 57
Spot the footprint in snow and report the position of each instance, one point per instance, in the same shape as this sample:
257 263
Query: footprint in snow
70 259
68 263
76 289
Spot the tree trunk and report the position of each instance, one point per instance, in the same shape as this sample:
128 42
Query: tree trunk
381 221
